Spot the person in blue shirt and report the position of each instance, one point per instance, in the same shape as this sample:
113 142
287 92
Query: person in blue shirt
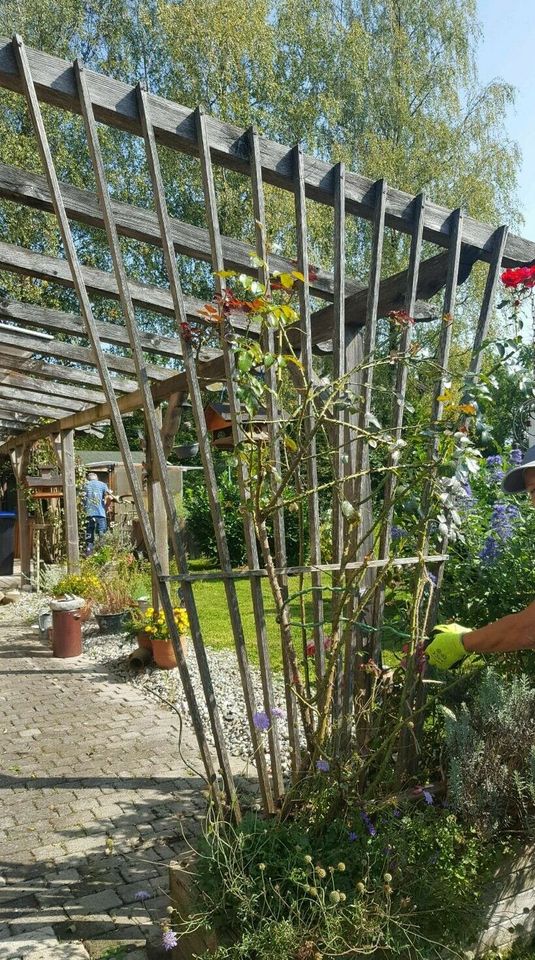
96 494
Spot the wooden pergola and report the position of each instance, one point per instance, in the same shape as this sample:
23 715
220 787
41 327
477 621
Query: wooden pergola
75 386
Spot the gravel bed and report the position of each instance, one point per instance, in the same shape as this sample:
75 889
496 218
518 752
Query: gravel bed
113 650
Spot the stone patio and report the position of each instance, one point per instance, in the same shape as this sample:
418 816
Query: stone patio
95 801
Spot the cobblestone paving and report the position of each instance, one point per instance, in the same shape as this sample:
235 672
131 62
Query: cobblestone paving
93 802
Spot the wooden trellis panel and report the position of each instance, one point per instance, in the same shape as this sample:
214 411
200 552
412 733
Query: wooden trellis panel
350 320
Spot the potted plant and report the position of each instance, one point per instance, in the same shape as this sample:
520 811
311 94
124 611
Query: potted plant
85 585
135 626
156 627
115 602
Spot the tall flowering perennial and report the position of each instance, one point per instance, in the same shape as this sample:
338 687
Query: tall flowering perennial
494 464
502 523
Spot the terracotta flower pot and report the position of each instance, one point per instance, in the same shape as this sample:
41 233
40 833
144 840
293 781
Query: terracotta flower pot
144 640
164 654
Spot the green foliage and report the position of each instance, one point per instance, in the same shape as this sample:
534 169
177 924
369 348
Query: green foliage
488 576
199 518
491 754
84 584
306 889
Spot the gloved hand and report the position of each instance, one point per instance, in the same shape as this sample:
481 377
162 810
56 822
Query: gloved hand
446 647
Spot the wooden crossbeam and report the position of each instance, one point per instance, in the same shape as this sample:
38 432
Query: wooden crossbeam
115 105
23 261
69 351
62 405
70 323
23 361
75 393
19 406
141 224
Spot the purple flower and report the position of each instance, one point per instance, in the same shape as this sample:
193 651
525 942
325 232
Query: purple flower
396 813
467 489
397 533
368 824
490 550
322 765
142 895
501 520
169 940
516 457
261 720
495 461
352 836
278 714
428 797
432 578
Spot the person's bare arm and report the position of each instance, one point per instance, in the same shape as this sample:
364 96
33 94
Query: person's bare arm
514 632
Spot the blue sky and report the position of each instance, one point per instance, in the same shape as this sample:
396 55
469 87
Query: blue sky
507 50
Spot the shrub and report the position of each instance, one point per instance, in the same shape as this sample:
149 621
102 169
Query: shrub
85 585
298 891
491 754
491 573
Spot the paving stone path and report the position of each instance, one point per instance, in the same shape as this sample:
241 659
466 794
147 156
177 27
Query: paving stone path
93 801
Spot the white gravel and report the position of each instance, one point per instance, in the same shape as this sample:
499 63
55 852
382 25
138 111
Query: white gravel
113 650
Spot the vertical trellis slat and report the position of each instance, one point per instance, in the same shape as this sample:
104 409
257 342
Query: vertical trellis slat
362 538
398 410
498 247
202 433
152 418
92 333
339 430
493 276
309 420
273 414
249 532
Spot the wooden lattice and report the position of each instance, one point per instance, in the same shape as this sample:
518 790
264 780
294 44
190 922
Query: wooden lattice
32 388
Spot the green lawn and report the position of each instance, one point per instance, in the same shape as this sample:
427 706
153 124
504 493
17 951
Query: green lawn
215 622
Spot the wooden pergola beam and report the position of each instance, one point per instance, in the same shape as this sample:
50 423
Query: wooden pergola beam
70 323
20 260
115 105
141 224
68 351
34 410
161 390
19 381
62 404
23 361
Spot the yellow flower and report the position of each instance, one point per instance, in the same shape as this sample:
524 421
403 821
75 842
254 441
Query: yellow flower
149 612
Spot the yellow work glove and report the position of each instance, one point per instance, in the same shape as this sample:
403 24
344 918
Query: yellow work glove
446 647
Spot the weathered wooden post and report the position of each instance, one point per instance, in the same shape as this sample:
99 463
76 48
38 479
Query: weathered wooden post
19 461
70 511
157 512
